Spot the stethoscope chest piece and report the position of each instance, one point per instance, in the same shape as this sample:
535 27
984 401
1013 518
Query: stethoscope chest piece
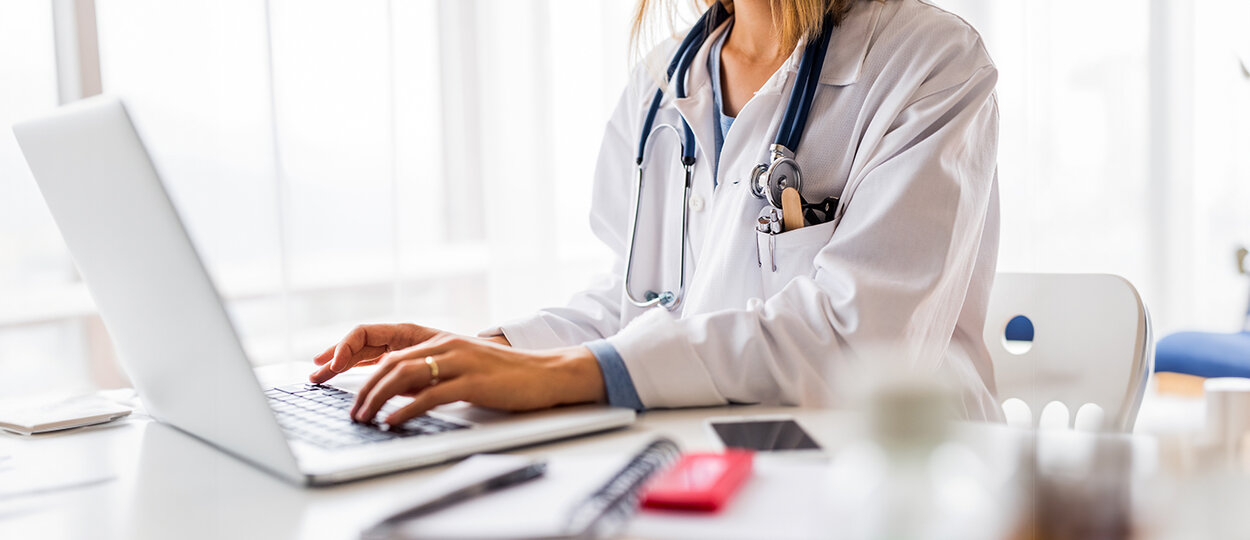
783 173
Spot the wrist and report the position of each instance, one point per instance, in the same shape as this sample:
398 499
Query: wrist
576 372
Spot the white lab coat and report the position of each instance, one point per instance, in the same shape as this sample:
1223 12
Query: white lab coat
905 127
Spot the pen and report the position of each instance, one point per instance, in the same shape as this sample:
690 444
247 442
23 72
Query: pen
385 528
762 226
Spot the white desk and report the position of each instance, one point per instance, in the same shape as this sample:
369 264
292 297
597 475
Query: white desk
164 484
156 482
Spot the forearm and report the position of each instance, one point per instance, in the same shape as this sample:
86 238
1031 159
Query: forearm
576 377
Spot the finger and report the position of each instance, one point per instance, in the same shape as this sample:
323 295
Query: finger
369 351
359 339
343 352
447 367
437 349
433 396
321 374
325 355
326 372
403 378
388 362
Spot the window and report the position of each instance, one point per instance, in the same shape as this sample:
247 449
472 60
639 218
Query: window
339 162
41 303
1122 125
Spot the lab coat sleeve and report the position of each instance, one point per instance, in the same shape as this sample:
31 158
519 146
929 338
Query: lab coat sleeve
893 276
594 313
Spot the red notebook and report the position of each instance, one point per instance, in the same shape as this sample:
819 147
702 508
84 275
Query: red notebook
700 482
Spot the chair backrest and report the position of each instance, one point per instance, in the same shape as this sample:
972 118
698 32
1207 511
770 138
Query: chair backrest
1091 343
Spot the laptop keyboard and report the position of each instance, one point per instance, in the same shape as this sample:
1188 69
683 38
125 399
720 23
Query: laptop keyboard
318 414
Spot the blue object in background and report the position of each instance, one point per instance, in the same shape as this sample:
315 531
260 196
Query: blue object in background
1205 354
1019 328
1208 354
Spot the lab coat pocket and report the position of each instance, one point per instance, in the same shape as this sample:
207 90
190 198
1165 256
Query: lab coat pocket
791 254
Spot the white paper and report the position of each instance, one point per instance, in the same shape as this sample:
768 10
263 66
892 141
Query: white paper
535 509
475 470
783 498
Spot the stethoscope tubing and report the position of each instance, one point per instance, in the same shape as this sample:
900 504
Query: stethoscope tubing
668 299
794 121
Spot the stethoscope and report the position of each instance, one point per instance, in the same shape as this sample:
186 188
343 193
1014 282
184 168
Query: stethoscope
767 181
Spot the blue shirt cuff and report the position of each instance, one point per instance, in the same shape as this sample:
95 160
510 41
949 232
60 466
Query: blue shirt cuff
616 380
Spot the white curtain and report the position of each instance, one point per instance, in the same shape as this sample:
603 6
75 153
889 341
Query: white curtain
343 161
1125 129
336 162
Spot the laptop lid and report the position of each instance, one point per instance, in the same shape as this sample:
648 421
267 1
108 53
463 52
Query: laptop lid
171 332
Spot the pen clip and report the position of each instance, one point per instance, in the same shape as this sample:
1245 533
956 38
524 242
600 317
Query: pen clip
774 222
772 251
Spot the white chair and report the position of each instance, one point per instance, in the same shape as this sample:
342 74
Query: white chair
1091 343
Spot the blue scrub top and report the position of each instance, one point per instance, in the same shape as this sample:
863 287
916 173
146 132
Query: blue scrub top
725 121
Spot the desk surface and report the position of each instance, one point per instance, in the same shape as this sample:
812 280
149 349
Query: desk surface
152 481
146 480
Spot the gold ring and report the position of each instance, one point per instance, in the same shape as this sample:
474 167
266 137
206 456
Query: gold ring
429 361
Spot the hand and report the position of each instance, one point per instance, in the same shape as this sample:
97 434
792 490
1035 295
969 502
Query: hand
366 344
482 372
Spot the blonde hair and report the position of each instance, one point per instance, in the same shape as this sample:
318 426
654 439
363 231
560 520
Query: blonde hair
795 20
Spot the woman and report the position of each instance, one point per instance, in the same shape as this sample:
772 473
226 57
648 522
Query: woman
903 128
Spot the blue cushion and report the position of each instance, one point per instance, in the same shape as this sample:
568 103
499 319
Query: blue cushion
1204 354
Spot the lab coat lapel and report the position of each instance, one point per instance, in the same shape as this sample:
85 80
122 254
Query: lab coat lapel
698 109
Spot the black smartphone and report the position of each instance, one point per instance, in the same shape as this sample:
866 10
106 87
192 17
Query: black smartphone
762 434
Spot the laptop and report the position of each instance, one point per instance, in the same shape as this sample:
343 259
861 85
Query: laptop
179 347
